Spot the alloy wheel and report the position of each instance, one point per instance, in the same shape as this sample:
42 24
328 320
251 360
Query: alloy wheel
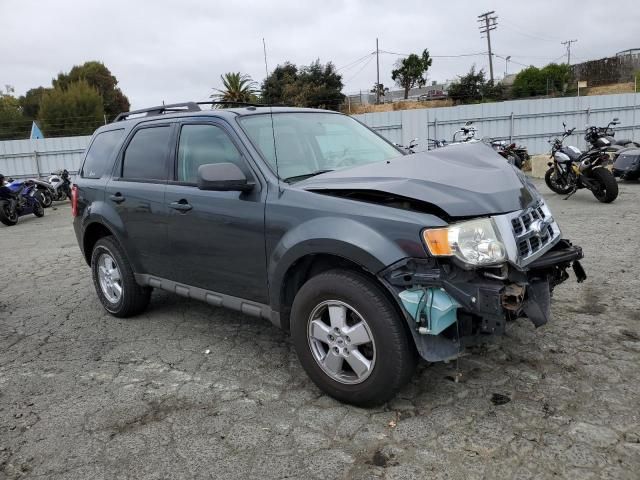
109 278
341 342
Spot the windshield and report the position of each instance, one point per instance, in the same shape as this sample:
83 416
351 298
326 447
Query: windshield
308 143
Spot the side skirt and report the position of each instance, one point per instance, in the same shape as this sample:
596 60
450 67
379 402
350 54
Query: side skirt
212 298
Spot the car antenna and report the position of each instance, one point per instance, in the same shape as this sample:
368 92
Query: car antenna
273 130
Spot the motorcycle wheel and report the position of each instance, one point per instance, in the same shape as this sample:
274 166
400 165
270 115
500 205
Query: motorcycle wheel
45 199
608 190
551 179
38 209
8 217
517 161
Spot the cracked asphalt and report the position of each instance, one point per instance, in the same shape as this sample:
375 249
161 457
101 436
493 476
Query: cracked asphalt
85 395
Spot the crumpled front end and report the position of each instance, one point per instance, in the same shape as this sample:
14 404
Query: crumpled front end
451 305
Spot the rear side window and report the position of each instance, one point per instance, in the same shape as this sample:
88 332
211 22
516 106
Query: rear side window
100 153
202 144
146 155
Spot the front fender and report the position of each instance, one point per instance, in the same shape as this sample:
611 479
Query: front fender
342 237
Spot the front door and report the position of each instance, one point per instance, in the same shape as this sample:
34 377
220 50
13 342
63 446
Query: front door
216 238
137 192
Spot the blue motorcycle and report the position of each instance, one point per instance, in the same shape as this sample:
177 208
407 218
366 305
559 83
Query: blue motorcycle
18 198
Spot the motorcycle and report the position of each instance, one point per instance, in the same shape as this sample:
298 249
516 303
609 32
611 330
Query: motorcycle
18 198
509 151
431 143
409 148
572 169
45 192
61 184
466 133
624 153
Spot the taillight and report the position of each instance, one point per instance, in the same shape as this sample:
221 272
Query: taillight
74 201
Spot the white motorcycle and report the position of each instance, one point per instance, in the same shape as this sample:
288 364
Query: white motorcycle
61 184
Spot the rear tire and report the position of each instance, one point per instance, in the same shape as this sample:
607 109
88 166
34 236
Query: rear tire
115 284
389 355
6 216
608 191
45 199
550 178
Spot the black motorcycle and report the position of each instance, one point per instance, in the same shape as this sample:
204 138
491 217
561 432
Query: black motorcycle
624 153
509 151
572 169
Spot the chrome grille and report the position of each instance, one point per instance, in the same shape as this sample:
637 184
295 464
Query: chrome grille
534 230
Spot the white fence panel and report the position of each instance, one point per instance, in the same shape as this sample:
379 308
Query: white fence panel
529 122
38 158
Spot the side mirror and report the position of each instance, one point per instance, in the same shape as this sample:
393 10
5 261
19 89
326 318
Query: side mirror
616 120
222 177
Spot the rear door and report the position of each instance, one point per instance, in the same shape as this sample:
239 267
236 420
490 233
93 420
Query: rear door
218 243
137 191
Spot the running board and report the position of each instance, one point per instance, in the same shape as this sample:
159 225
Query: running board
215 299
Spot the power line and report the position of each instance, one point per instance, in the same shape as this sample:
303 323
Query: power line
362 68
487 24
437 56
355 62
519 30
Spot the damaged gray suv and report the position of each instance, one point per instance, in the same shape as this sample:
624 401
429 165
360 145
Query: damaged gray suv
307 218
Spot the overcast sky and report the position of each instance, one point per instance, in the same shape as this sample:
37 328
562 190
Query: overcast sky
177 50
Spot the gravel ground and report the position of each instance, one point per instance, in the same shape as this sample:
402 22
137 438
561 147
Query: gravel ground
84 395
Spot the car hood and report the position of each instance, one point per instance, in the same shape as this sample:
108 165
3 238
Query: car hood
463 180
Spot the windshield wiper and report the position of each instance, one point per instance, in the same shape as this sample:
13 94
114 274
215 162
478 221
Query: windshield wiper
297 178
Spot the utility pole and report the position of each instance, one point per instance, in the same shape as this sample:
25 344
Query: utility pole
377 73
568 43
488 23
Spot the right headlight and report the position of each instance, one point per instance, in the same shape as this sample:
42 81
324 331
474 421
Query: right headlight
475 242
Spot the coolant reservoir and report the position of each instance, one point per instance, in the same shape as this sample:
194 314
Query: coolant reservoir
437 306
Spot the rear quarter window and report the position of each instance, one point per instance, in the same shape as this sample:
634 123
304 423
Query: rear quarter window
101 153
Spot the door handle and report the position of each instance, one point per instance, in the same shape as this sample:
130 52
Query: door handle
118 198
182 206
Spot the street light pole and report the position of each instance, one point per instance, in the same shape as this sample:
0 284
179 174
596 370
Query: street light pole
377 73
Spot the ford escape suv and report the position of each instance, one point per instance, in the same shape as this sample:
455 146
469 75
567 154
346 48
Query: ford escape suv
309 219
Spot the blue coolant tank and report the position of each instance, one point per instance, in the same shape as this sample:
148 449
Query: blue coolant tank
437 305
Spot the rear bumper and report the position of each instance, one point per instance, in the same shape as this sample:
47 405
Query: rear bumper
485 299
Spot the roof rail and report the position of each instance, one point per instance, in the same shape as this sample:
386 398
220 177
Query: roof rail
241 104
161 109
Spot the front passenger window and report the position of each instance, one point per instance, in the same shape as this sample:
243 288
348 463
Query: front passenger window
202 144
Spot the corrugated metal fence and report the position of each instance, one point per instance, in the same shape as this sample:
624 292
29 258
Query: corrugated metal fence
527 122
38 158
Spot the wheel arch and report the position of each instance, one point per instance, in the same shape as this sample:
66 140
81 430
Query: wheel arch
92 233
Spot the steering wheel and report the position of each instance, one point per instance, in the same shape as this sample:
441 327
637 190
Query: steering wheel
346 162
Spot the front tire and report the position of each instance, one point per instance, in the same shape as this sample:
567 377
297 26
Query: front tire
608 190
38 209
350 339
114 280
8 216
552 181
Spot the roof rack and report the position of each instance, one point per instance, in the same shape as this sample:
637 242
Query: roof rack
184 107
161 109
241 104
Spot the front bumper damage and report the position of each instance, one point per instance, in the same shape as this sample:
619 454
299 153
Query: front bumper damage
449 308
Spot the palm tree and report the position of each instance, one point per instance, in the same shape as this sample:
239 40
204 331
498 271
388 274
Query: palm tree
237 88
